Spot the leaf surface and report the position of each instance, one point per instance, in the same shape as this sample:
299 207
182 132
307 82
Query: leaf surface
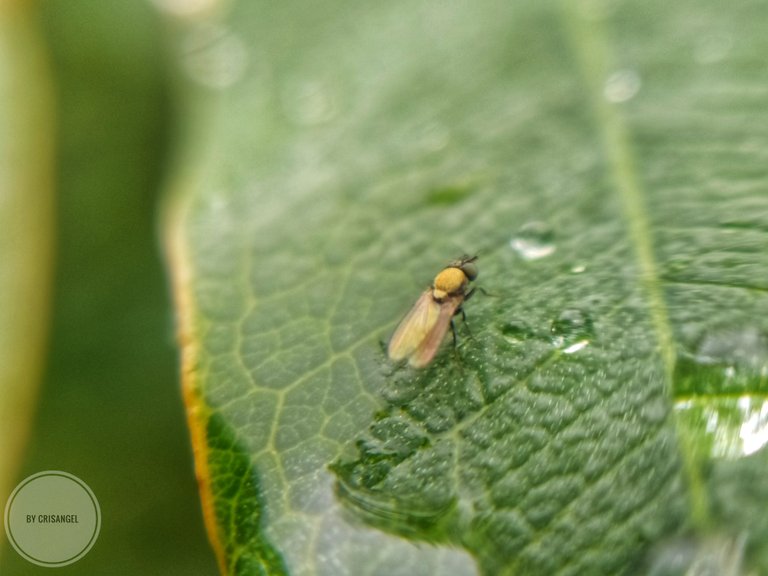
605 161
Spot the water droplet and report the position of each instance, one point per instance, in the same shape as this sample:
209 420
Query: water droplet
535 240
572 324
309 102
621 86
730 427
186 8
213 56
712 48
578 268
573 348
571 330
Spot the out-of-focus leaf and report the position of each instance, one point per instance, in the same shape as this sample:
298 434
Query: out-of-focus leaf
110 409
26 227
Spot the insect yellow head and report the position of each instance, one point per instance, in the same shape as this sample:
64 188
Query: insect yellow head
420 333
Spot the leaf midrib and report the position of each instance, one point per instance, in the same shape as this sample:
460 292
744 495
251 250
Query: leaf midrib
592 46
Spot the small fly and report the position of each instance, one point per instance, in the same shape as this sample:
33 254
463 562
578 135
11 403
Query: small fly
423 329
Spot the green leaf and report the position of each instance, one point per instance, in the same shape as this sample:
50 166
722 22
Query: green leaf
605 162
26 228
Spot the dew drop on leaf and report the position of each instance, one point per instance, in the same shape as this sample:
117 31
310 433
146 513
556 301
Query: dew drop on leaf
578 268
572 330
621 86
186 8
534 240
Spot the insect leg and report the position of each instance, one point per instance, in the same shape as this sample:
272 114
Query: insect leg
466 325
456 355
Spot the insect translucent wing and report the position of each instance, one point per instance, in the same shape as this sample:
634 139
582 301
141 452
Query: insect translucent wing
415 327
428 347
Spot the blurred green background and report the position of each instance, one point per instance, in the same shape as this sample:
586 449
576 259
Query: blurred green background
92 94
110 408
